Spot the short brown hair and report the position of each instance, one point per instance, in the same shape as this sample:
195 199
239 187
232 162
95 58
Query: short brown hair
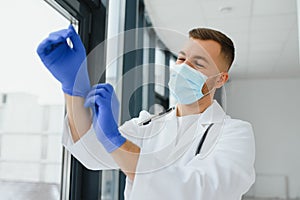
227 47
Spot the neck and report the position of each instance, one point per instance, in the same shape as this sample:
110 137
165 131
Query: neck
195 108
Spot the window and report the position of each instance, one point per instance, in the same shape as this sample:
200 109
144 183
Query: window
114 61
31 104
172 100
160 71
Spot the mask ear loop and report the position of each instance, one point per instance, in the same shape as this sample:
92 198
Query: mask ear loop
204 95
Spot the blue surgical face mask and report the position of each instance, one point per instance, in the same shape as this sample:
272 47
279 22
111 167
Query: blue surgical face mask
186 83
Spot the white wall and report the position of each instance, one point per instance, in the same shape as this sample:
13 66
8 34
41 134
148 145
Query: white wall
272 106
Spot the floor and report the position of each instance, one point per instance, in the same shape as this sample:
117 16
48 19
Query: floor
28 191
10 190
248 198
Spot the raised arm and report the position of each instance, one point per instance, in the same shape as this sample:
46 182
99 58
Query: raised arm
67 63
79 117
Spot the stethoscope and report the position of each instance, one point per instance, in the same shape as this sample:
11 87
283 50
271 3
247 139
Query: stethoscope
155 117
160 115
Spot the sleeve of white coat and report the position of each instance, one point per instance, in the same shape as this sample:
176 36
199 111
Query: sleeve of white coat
90 152
87 150
226 173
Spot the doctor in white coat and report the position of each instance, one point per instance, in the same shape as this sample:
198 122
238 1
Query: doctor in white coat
194 151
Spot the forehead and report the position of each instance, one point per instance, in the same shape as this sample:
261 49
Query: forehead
209 49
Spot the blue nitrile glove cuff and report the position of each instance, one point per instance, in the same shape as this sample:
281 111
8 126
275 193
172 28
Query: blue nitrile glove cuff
115 143
112 143
81 85
105 106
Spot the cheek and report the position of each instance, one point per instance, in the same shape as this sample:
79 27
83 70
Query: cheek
178 62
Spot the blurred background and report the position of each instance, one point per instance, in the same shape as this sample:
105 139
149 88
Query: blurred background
262 89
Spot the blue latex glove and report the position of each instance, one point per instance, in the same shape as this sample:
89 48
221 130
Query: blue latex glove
68 65
105 105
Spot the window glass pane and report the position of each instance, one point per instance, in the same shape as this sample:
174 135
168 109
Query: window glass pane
159 71
172 100
114 55
31 104
146 68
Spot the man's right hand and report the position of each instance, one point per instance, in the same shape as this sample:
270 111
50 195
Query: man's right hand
67 64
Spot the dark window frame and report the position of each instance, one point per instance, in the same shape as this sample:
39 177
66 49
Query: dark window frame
91 17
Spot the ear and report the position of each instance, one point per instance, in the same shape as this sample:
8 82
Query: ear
222 79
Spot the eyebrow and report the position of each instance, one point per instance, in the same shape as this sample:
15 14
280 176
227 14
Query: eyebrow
195 57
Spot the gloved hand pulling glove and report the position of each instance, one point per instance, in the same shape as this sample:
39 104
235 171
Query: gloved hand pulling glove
105 105
67 64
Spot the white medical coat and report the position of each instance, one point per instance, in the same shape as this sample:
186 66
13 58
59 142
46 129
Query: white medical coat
224 169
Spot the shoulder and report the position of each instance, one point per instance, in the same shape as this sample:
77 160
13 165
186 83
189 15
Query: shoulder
132 130
237 140
237 125
134 122
131 126
237 130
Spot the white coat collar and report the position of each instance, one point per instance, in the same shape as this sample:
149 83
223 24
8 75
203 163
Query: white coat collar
213 114
161 136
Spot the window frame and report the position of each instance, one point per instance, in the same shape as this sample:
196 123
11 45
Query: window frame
77 181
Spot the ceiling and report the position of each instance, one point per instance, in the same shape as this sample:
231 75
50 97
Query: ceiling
265 32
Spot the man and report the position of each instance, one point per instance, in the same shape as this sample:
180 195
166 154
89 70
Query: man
194 151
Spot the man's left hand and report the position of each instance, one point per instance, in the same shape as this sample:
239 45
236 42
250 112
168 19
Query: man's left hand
105 105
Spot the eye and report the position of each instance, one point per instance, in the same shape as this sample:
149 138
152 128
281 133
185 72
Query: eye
199 65
181 59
